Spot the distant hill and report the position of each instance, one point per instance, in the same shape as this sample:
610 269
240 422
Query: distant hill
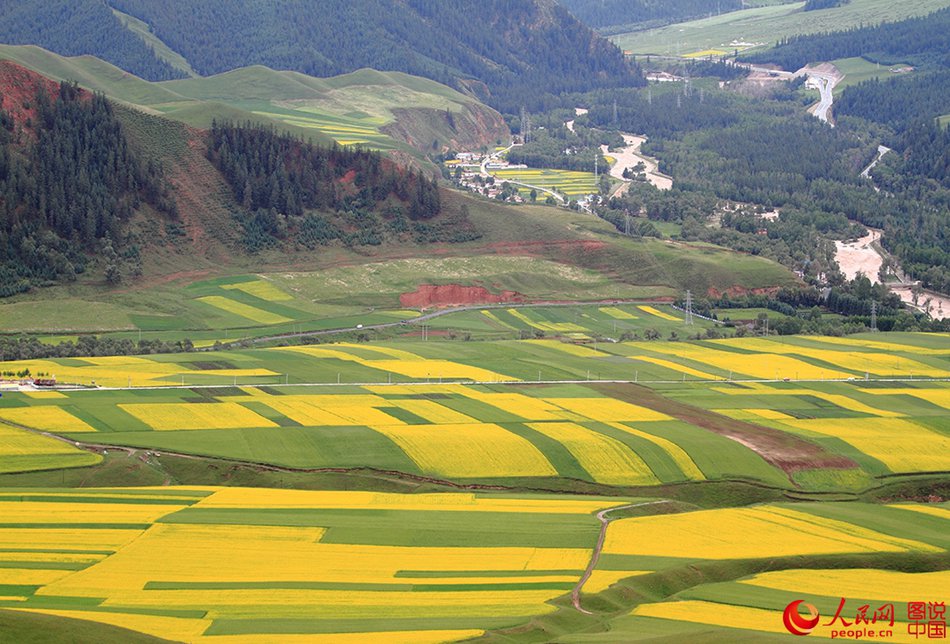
75 27
919 41
646 13
506 52
408 117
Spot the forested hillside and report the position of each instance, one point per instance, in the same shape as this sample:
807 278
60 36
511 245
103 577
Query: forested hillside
77 27
510 52
608 13
289 190
768 152
68 183
918 41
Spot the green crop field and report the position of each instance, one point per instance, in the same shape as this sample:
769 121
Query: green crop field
566 182
764 26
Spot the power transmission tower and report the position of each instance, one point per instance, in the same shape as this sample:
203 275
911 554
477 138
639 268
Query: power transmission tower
615 111
874 316
596 159
626 225
689 308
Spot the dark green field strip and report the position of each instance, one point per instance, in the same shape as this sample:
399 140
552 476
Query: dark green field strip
404 415
442 574
533 585
657 458
717 457
17 590
557 454
94 499
270 413
940 424
35 628
106 416
413 527
739 594
905 524
298 447
318 626
94 604
609 561
45 565
481 410
133 492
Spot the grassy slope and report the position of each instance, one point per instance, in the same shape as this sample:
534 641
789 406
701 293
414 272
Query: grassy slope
296 103
765 25
32 628
605 265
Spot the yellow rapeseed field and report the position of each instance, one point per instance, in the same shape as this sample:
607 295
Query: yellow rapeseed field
249 498
881 364
555 327
618 314
261 289
69 539
864 583
86 513
675 366
45 418
882 346
902 445
19 442
435 413
607 409
252 313
606 459
660 314
764 366
468 451
765 531
939 397
174 416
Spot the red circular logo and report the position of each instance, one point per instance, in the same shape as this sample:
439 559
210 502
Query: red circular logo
795 623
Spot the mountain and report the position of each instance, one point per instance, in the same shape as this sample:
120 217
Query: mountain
408 117
602 14
76 27
507 52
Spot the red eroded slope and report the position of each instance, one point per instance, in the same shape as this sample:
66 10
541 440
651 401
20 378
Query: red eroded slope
18 89
455 295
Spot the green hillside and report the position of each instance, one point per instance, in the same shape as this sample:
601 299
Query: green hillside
763 26
378 110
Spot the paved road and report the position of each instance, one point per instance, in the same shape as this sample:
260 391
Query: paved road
429 316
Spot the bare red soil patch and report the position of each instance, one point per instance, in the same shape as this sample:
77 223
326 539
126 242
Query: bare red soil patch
438 295
19 87
785 451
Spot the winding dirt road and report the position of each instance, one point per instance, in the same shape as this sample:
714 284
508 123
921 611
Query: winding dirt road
630 156
595 556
